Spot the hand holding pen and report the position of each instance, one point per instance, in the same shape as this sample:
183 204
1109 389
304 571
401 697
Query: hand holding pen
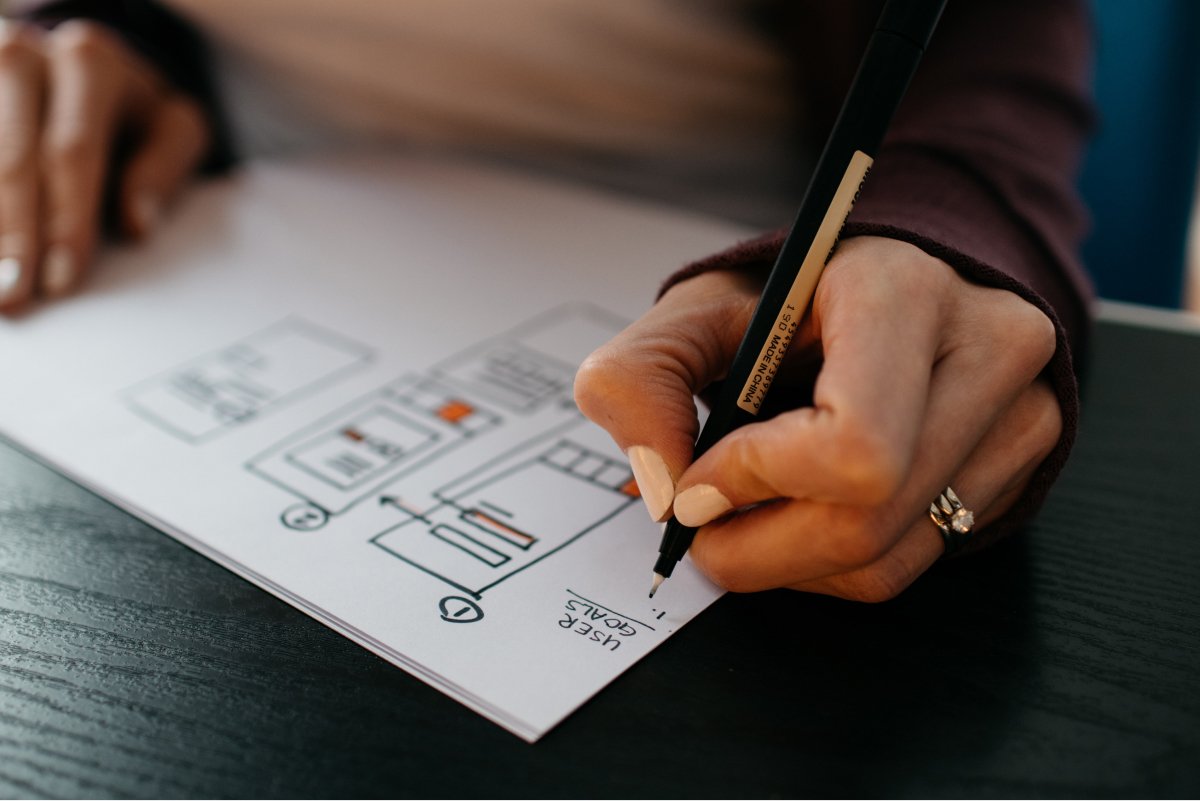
906 378
919 371
921 380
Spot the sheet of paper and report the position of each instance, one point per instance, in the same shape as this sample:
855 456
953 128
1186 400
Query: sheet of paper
350 382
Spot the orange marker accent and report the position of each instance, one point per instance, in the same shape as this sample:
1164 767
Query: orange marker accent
455 410
503 529
630 488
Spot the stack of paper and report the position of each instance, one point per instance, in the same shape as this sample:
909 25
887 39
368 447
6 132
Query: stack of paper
350 382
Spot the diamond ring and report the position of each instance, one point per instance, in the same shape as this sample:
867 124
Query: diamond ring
952 519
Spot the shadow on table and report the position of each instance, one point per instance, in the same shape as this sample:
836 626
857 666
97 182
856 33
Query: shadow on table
789 694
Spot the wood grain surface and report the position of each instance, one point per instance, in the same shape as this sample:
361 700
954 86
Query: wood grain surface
1063 663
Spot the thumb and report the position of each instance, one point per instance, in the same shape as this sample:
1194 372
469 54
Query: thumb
175 138
640 385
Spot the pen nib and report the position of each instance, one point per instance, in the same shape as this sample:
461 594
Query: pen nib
658 580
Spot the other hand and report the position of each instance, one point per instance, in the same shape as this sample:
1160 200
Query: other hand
68 97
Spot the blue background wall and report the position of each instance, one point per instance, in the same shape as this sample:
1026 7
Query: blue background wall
1140 172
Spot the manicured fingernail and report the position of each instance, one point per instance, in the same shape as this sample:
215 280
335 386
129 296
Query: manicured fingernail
653 480
697 505
58 270
10 275
146 210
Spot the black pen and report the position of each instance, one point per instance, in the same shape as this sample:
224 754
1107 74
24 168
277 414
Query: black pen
893 52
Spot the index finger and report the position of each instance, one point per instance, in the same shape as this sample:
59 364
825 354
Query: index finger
97 87
22 77
640 386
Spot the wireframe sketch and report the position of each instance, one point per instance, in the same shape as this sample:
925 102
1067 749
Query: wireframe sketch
492 524
352 454
484 460
209 395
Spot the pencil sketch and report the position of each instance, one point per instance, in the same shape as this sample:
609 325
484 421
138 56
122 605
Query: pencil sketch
216 392
353 453
495 522
484 460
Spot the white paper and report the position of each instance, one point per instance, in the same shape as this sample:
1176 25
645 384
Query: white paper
350 382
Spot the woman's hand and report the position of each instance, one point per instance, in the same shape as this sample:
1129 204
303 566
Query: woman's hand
67 98
922 380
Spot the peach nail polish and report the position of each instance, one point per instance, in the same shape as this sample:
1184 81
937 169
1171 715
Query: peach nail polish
653 480
697 505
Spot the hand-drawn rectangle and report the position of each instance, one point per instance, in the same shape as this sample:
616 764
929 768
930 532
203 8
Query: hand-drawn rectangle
508 505
342 458
208 395
363 448
513 376
468 544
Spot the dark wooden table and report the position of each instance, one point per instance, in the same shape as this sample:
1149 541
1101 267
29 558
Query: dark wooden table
1062 663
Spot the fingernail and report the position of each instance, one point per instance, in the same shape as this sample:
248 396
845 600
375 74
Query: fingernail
697 505
58 270
10 275
653 480
146 211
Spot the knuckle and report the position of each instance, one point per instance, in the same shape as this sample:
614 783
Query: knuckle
185 113
18 52
1029 333
874 570
861 546
187 118
869 466
911 273
1045 424
1038 336
84 41
748 452
73 153
720 567
16 160
878 585
925 277
861 465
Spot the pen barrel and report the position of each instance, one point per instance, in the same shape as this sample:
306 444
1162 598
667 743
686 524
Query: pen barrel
676 540
912 19
883 76
887 67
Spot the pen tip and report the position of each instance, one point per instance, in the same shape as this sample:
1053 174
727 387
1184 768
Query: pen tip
658 580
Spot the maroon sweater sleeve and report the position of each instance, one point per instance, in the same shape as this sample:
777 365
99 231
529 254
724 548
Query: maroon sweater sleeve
978 170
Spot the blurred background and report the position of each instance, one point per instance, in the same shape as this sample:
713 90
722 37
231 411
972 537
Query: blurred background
1141 173
1140 176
